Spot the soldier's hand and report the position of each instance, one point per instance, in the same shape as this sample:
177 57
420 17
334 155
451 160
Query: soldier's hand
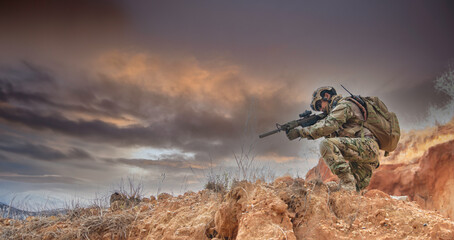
304 133
293 134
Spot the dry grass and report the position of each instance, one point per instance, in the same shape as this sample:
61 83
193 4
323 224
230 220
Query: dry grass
118 225
246 170
79 221
83 223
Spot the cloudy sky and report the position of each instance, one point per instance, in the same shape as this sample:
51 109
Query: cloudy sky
92 91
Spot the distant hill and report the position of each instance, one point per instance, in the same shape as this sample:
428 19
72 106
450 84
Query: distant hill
11 212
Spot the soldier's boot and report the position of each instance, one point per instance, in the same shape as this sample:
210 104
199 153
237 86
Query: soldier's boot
347 181
332 186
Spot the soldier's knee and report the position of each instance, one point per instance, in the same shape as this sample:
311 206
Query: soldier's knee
340 167
326 142
326 145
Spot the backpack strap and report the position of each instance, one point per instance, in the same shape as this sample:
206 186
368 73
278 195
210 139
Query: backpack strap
360 103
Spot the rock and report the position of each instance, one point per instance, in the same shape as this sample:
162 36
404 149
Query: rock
119 201
164 196
401 198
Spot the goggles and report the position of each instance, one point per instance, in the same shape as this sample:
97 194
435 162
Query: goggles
318 105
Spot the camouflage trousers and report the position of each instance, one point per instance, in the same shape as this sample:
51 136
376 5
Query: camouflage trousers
358 156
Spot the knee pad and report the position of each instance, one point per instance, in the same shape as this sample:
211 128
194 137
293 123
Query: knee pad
325 145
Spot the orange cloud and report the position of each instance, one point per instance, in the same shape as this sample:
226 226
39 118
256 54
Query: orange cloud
223 86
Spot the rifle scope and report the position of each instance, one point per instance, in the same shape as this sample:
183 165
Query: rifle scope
305 114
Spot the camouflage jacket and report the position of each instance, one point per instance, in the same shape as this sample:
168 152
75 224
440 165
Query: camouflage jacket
344 120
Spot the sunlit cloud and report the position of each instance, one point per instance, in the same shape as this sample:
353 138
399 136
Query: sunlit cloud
158 153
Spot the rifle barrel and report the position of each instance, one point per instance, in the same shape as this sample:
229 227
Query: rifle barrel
269 133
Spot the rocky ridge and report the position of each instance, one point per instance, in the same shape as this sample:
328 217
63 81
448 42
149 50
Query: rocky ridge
285 209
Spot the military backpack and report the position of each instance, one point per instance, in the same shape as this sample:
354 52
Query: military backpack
381 122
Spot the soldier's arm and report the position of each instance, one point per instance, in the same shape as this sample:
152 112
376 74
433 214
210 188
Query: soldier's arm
338 116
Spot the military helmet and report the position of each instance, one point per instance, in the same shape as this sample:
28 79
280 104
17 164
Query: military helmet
318 96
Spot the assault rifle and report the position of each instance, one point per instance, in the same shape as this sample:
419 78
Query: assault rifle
306 119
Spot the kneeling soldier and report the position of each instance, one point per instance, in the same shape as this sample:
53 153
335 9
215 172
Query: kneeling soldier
349 149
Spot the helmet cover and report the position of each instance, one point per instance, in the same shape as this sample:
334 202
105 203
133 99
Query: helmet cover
318 96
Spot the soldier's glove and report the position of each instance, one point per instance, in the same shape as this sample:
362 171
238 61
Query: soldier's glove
296 133
304 133
293 134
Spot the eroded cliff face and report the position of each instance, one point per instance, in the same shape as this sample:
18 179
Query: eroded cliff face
429 181
421 168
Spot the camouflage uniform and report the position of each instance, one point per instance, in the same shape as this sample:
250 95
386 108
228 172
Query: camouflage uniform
348 147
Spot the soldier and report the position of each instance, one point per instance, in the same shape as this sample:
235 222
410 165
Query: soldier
349 149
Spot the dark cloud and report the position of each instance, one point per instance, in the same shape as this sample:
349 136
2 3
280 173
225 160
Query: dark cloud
20 165
8 93
35 151
3 158
60 29
27 73
33 86
27 10
39 178
42 152
327 39
97 130
69 18
37 74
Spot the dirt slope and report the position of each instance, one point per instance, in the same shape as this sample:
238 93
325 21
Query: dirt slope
285 209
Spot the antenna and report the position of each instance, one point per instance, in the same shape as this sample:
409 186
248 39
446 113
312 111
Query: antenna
346 89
